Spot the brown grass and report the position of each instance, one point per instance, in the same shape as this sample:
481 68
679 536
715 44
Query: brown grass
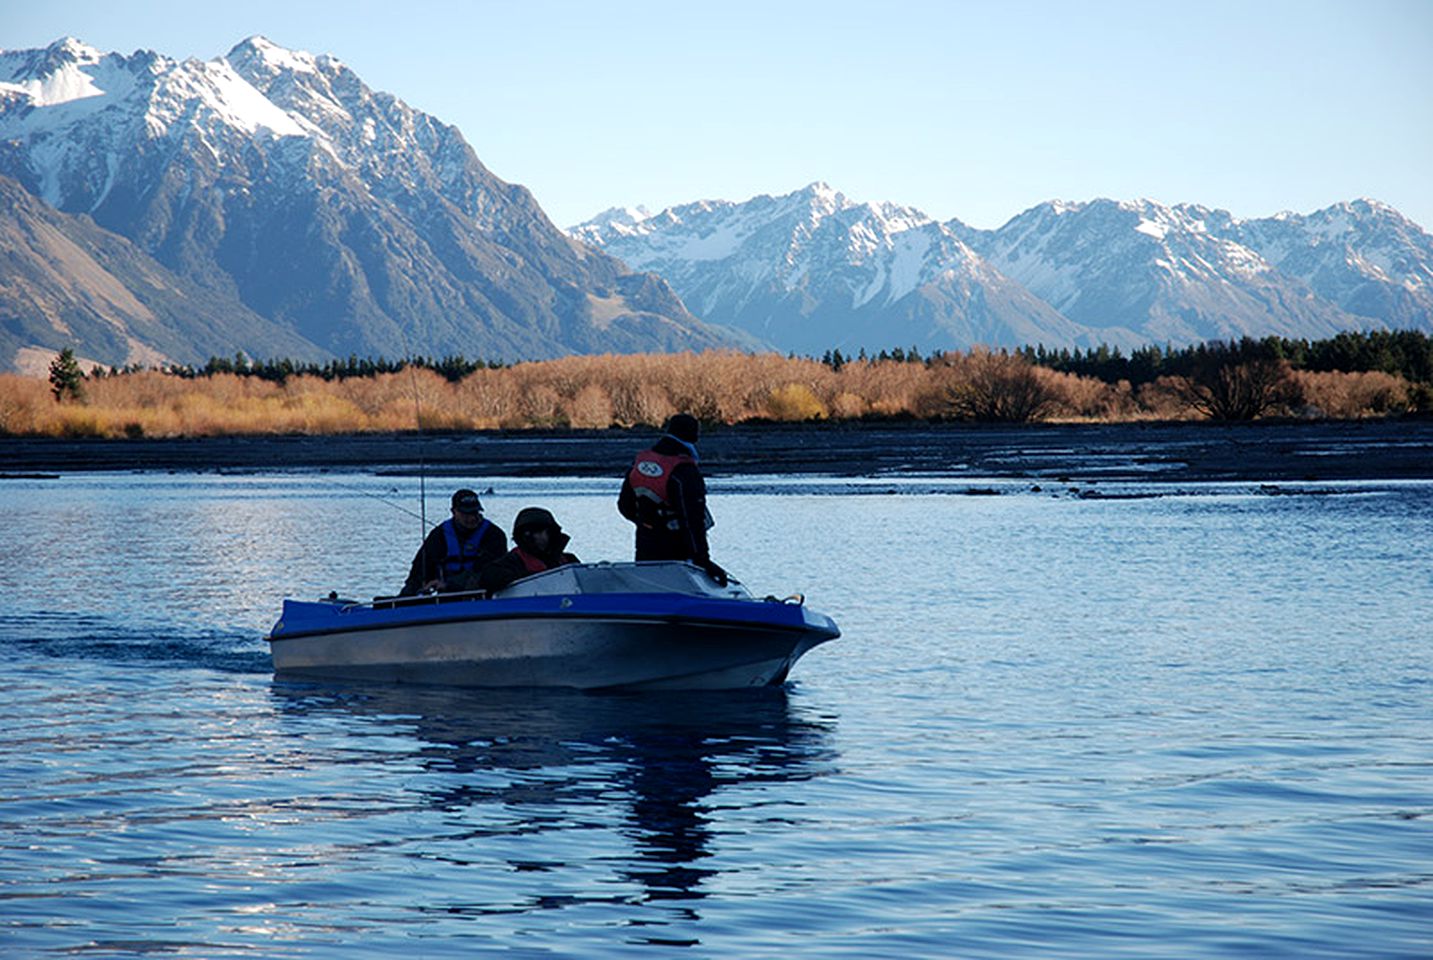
625 390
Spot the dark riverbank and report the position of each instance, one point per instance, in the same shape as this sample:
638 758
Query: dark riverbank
1358 450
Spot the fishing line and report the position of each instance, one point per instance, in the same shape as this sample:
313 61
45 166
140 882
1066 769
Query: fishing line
359 490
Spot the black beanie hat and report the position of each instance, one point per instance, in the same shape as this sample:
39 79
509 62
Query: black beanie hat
684 426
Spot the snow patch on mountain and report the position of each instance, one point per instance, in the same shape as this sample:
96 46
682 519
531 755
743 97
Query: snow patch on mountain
46 89
223 95
899 273
80 84
1152 229
278 59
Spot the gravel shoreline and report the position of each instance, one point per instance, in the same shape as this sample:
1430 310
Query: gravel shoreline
1176 452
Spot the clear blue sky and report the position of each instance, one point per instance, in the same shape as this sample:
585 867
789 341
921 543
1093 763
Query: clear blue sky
969 110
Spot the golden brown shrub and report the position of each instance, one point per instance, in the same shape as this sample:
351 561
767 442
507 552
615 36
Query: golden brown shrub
539 405
630 390
847 406
21 399
1353 395
794 401
889 387
591 408
1163 399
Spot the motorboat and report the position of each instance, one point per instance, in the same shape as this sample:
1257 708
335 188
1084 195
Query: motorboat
592 626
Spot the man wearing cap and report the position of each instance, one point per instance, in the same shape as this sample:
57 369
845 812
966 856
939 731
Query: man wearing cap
665 496
456 550
540 544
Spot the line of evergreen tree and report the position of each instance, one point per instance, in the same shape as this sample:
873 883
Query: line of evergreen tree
1408 353
1405 352
453 367
836 360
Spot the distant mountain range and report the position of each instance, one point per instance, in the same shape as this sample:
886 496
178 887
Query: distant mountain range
268 201
814 270
322 217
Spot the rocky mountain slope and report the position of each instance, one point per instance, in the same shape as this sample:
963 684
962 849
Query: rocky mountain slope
361 225
65 281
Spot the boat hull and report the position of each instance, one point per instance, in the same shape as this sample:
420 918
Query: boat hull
564 652
646 626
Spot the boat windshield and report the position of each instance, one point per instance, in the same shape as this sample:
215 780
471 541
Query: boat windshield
645 577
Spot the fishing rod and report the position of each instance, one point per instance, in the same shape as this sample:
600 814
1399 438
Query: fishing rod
408 361
422 464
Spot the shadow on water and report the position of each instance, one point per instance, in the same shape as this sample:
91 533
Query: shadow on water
551 757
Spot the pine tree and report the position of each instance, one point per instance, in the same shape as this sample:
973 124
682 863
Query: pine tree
66 378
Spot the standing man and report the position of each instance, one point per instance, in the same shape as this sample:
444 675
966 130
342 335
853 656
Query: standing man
665 496
456 550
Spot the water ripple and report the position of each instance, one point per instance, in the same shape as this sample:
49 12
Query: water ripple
1188 725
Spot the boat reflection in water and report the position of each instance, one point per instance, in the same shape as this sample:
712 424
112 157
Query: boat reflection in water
530 785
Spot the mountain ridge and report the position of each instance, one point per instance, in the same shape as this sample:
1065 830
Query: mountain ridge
326 219
771 264
1119 272
279 179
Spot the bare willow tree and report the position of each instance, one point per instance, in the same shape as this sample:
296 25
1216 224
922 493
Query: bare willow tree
1223 389
997 388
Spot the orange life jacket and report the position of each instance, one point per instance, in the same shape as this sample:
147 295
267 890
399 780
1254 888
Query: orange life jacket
650 476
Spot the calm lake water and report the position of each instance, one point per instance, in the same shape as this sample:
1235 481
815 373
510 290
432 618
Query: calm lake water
1198 724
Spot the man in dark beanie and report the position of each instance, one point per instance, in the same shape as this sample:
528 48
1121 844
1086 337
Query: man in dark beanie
456 550
541 545
665 496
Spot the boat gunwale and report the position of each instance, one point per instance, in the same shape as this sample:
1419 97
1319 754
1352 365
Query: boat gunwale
576 611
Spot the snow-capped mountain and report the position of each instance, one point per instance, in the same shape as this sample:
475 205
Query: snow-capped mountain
1167 273
813 270
279 178
1364 256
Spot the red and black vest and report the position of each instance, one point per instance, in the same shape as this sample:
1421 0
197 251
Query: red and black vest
533 564
650 476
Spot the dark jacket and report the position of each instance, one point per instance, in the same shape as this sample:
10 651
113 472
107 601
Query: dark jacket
687 496
428 561
511 567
